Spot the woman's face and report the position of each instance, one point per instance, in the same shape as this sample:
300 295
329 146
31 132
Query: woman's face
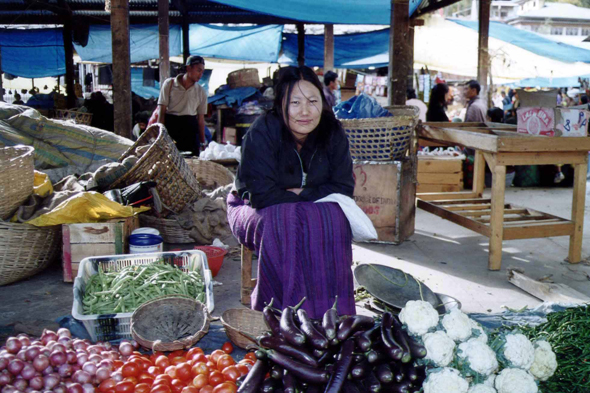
305 109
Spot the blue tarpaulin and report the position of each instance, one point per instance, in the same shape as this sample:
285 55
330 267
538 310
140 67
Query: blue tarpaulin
144 43
33 53
148 92
550 82
251 43
370 12
532 42
347 48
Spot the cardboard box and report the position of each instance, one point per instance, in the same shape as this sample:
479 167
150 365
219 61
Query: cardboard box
571 122
230 134
94 239
536 121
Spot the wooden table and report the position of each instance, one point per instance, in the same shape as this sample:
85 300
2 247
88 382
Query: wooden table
493 217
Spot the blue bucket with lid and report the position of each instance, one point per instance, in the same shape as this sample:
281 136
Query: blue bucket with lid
141 243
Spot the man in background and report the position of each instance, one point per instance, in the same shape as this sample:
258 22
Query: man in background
331 85
412 100
476 107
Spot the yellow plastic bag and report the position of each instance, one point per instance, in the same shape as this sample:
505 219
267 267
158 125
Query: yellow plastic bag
42 185
85 207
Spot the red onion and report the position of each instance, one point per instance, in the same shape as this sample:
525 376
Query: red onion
21 384
65 341
95 358
90 368
24 339
108 364
21 355
15 366
3 363
63 332
50 345
9 389
88 388
48 336
75 388
50 381
81 377
28 371
65 370
71 357
41 362
117 376
37 343
61 388
76 367
32 352
57 358
126 349
59 347
36 383
45 351
103 373
47 371
5 378
79 344
13 345
81 358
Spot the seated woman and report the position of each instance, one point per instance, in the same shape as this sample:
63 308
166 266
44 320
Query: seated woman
296 154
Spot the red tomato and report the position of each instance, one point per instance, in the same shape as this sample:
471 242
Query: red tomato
251 356
106 385
177 353
231 373
212 366
133 380
190 389
130 370
155 355
162 362
142 388
146 378
124 387
206 389
224 361
215 378
226 387
200 380
177 360
177 385
161 389
163 378
247 362
199 358
154 371
227 347
193 352
199 368
171 370
117 364
183 371
215 355
242 368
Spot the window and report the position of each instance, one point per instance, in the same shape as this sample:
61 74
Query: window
586 32
571 31
534 28
557 31
504 14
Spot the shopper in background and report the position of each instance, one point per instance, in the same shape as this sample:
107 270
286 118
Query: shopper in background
412 100
182 107
476 107
17 100
330 86
440 97
141 120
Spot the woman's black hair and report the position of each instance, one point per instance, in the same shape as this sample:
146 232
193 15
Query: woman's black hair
288 78
437 97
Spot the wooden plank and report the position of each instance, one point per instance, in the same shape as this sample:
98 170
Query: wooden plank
121 67
456 218
81 251
399 53
474 140
479 173
67 255
522 219
479 213
548 292
328 47
543 144
438 187
470 207
462 195
537 230
429 165
440 178
579 199
497 217
473 201
92 233
537 158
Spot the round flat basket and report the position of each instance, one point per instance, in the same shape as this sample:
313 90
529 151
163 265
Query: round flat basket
209 174
16 178
169 229
169 323
237 321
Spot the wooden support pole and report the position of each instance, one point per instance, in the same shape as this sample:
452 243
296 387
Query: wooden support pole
410 82
186 51
1 72
483 57
300 44
121 67
163 29
398 52
578 203
69 57
328 47
497 217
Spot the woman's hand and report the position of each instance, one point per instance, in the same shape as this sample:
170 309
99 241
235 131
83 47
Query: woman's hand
295 190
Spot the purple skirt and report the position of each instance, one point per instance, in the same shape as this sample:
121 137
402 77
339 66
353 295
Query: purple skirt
304 250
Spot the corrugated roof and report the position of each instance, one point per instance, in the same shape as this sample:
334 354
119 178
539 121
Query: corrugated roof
558 11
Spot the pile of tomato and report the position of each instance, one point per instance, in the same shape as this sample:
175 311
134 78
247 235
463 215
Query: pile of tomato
179 372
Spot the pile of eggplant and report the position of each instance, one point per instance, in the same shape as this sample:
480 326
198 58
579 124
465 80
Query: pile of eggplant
335 354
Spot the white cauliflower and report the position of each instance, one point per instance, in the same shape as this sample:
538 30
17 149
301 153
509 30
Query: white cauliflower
519 351
545 362
457 325
419 316
515 380
479 356
481 388
447 380
490 380
482 334
439 348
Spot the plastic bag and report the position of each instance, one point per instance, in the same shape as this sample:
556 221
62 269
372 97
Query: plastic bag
42 184
85 207
360 107
360 224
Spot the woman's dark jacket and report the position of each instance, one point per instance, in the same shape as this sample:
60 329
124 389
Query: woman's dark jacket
271 164
436 113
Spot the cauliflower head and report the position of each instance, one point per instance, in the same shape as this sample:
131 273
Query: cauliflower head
545 362
515 380
457 325
478 356
478 331
439 348
419 317
481 388
490 380
519 351
447 380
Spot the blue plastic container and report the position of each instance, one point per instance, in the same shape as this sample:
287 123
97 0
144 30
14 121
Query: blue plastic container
142 243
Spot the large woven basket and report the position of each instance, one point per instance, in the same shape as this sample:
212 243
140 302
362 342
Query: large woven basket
244 78
169 323
17 178
382 138
25 250
176 184
237 321
209 174
75 116
170 230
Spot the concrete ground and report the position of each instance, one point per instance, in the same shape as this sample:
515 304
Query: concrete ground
446 257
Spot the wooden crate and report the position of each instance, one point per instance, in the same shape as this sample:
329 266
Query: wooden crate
386 192
94 239
439 174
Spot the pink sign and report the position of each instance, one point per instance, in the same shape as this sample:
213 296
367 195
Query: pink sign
536 121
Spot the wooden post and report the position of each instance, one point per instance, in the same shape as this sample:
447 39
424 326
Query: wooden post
410 81
300 44
398 52
163 28
1 85
483 57
578 203
497 217
186 51
121 67
328 47
69 54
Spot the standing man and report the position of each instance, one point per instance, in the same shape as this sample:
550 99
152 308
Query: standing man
182 107
476 107
331 85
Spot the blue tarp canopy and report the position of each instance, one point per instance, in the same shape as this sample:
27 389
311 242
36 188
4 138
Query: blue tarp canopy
147 92
251 43
144 43
33 53
370 12
532 42
347 48
551 82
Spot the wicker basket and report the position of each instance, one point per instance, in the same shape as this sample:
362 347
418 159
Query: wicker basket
176 184
209 174
382 138
77 117
25 250
169 323
170 230
244 78
17 178
243 320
